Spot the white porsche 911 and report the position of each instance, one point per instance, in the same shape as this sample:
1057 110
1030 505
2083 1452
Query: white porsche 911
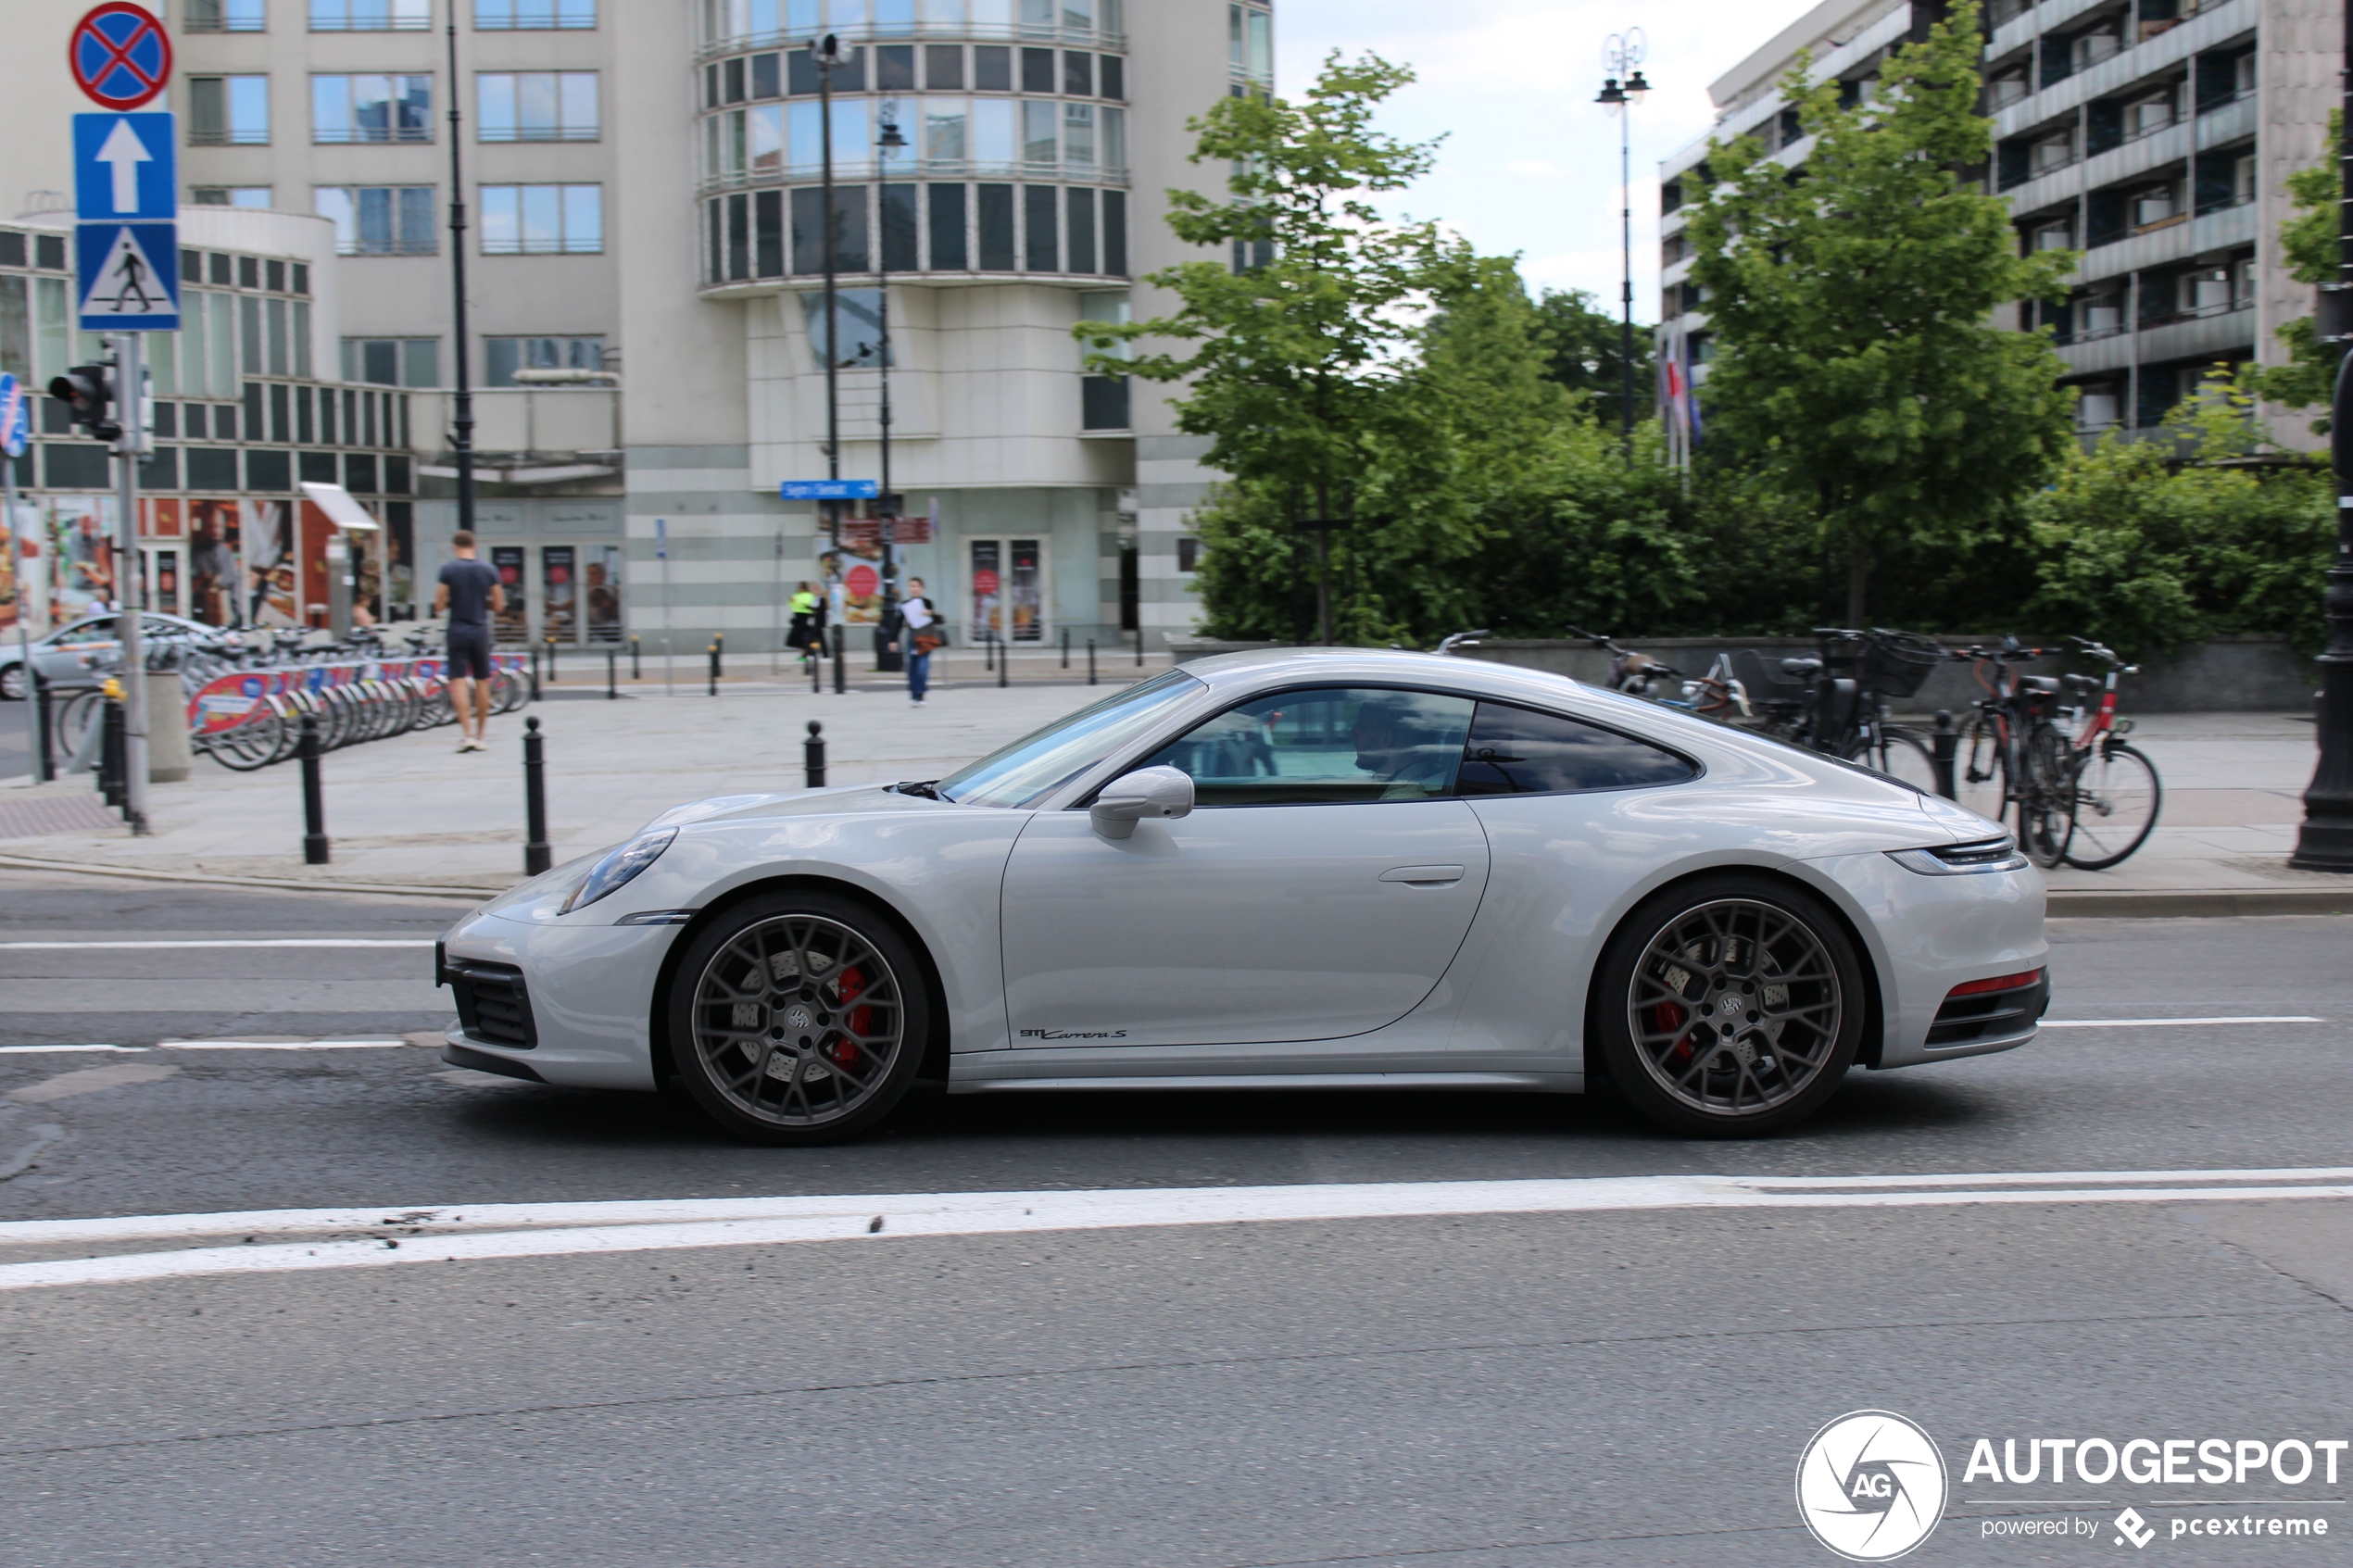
1280 870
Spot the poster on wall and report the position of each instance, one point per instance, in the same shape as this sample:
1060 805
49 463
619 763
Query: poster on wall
558 590
857 566
989 586
81 554
604 593
212 563
513 624
13 608
1024 596
267 531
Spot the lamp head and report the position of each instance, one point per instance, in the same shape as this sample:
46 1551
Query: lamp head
1611 93
827 50
1636 85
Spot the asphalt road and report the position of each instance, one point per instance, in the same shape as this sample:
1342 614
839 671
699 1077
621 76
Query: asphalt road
1613 1386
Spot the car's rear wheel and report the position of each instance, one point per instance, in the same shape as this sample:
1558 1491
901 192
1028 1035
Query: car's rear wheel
797 1019
1729 1007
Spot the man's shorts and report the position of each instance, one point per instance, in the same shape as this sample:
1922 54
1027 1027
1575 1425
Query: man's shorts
469 653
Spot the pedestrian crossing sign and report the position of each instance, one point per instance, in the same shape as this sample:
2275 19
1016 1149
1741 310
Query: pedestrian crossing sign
130 277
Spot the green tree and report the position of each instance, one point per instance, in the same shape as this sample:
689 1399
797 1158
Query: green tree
1858 368
1291 364
1584 351
2309 240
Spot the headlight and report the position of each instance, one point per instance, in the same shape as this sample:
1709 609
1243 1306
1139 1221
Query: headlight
619 867
1959 860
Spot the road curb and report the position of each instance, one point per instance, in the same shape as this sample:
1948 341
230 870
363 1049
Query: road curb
2202 902
210 879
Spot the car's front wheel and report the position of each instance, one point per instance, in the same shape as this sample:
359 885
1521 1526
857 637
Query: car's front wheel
797 1019
1730 1007
13 684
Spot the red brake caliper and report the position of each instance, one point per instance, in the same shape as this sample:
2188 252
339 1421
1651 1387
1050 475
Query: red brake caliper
1669 1016
859 1020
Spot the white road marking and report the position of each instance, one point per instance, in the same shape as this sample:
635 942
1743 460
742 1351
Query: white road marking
276 1045
52 1050
258 941
2169 1022
463 1232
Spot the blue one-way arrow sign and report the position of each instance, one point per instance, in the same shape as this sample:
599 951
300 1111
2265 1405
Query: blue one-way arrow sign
829 489
125 168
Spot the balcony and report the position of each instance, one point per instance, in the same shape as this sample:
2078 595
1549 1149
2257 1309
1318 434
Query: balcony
563 425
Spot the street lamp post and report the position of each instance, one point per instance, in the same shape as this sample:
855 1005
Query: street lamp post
1622 87
461 403
826 54
888 140
2325 844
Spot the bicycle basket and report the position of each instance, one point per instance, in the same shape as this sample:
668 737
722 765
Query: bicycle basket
1897 663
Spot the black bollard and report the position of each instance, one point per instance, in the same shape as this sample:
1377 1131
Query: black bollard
841 656
1139 648
314 801
636 671
535 857
1065 648
111 750
612 673
45 731
1005 662
712 683
534 674
719 653
816 672
813 756
989 651
1091 661
1947 744
551 659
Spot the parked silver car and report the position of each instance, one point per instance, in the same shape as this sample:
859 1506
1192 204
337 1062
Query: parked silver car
1287 869
79 653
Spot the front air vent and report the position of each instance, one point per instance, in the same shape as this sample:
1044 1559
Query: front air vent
493 1006
1991 1009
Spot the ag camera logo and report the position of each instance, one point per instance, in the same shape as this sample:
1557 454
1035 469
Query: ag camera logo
1871 1485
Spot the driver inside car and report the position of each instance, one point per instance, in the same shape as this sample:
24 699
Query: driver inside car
1395 745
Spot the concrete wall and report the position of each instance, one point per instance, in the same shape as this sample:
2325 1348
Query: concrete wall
2232 674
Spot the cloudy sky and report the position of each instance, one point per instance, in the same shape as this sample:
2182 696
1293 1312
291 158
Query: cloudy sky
1530 161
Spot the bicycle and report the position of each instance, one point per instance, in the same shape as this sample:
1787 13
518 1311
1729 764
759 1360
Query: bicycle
2012 754
2115 794
1715 695
1843 713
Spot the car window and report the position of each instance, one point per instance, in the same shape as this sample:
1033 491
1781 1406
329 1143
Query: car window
1341 743
1039 761
88 632
1518 751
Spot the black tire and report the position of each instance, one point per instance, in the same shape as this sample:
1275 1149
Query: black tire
1981 778
2116 800
814 1007
13 684
1898 753
2047 801
1685 999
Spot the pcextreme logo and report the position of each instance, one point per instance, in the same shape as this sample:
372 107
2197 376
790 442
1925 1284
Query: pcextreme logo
1871 1485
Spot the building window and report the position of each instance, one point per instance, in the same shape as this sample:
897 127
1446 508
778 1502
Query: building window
533 16
229 111
1250 42
502 356
224 15
229 195
393 361
543 220
370 16
1188 552
378 219
538 106
370 108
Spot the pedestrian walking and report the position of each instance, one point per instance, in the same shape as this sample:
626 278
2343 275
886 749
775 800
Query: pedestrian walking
803 634
470 595
916 623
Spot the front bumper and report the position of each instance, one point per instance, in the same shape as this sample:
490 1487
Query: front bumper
589 992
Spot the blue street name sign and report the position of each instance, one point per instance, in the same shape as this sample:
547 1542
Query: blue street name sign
124 169
127 276
15 418
829 489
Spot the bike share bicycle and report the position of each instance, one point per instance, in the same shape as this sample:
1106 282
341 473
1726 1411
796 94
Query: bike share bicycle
1842 712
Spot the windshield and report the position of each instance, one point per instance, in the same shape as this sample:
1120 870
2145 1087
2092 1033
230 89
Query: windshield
1043 759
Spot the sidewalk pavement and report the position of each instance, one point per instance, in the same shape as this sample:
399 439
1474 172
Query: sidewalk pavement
411 814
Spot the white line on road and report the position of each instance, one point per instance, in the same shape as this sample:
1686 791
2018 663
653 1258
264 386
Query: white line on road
473 1233
2169 1022
53 1050
258 941
276 1045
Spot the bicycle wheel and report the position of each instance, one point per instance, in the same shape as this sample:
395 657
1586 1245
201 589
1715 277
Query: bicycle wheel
1980 779
2117 797
1899 753
2045 797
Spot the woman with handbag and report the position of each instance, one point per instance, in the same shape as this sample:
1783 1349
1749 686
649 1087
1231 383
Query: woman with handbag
919 627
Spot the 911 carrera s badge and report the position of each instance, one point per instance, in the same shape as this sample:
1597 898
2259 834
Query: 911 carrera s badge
1074 1034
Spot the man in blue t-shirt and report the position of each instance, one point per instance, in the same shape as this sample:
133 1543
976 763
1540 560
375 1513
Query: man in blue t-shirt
470 595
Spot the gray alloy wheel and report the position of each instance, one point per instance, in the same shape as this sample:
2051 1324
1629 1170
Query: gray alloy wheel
1733 1006
797 1019
13 684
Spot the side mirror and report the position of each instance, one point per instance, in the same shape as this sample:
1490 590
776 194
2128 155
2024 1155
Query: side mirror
1147 792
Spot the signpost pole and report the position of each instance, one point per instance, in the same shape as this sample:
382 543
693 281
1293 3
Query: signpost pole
132 407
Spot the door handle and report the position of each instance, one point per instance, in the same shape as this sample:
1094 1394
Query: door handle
1423 876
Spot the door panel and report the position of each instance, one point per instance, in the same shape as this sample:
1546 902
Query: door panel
1238 923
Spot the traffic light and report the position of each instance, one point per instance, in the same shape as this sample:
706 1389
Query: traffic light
89 390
